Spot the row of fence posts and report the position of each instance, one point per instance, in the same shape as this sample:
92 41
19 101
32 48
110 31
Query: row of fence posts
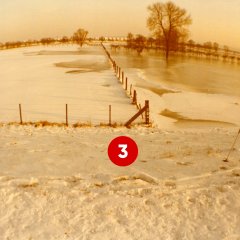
66 114
144 109
132 92
120 75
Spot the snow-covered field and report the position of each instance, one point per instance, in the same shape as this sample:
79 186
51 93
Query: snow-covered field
44 79
58 183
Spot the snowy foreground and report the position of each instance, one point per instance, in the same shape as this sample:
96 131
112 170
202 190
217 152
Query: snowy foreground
57 183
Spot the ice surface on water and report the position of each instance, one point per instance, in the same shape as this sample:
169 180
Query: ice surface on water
198 89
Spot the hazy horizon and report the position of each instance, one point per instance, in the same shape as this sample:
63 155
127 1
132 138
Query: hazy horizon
215 21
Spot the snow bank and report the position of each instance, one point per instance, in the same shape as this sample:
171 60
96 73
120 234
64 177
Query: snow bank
57 183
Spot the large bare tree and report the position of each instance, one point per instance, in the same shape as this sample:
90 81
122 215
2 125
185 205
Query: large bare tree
80 36
168 21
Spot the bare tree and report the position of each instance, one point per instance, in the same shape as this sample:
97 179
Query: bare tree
150 42
80 36
130 40
169 21
191 45
102 39
47 41
226 52
139 43
64 39
208 46
216 47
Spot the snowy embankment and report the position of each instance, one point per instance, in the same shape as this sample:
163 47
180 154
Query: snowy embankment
57 183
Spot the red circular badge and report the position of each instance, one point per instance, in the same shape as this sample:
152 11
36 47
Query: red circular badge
122 151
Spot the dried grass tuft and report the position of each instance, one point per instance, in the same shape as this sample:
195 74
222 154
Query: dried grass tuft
82 125
75 125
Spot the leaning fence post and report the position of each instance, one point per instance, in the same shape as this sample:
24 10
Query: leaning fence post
126 84
110 115
66 115
147 112
20 113
140 112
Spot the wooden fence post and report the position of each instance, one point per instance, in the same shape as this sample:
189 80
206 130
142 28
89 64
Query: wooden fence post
66 115
114 65
110 115
122 77
140 107
20 113
131 90
147 112
134 97
126 84
119 75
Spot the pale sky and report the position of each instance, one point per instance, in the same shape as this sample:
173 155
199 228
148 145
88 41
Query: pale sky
213 20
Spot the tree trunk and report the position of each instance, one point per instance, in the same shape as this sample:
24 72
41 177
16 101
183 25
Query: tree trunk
167 50
167 53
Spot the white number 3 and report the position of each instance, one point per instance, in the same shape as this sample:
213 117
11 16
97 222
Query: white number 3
123 150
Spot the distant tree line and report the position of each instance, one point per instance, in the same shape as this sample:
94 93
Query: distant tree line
168 24
52 41
28 43
79 37
211 50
